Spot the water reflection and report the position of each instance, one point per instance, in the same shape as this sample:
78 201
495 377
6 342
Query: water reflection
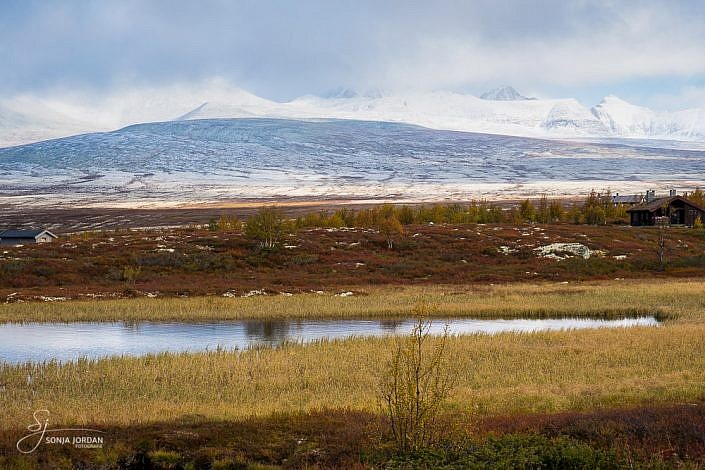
37 342
390 325
270 331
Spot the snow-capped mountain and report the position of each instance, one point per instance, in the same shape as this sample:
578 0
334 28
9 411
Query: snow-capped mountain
627 120
571 118
501 111
207 160
25 119
503 93
460 112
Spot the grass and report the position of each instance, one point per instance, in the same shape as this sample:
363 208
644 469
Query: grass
684 299
513 373
507 374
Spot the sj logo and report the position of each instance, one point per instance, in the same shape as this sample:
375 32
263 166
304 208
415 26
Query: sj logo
40 433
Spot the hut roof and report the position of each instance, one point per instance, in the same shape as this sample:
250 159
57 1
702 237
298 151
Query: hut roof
25 233
654 205
627 199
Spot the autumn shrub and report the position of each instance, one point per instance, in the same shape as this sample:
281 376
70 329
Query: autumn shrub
415 385
267 227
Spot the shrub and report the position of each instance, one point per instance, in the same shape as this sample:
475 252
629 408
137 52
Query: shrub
527 211
390 227
415 385
227 223
514 451
130 274
266 227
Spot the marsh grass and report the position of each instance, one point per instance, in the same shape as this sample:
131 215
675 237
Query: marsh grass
613 299
507 373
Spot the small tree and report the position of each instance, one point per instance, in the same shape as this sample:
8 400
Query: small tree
390 227
416 383
662 223
130 275
595 215
697 196
575 215
267 227
594 212
556 211
527 211
226 223
544 212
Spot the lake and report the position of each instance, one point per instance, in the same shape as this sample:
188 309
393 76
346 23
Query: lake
39 342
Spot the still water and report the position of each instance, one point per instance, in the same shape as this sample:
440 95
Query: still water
38 342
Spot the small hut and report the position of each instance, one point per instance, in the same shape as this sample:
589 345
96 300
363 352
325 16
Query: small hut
21 237
679 210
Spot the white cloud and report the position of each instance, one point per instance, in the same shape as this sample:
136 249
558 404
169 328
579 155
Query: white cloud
284 49
651 41
688 98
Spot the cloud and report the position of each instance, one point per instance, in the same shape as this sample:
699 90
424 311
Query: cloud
284 49
687 98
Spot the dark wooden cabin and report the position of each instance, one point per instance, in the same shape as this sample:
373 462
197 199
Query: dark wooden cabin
18 237
679 210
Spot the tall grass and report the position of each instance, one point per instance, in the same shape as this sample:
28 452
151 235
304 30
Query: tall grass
506 373
548 371
666 298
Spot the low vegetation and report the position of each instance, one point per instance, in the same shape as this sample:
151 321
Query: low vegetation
193 262
504 375
634 437
540 372
590 398
604 299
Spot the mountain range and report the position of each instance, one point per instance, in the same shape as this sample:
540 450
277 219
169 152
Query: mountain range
195 161
502 111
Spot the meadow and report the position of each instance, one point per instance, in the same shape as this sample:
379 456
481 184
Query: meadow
509 373
503 375
682 298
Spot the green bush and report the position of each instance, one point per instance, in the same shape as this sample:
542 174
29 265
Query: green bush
514 451
266 227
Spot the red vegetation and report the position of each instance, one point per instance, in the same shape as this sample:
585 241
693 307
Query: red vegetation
201 262
352 439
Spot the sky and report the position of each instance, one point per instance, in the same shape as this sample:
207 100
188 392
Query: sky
648 52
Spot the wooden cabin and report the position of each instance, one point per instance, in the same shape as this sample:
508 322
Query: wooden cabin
22 237
678 210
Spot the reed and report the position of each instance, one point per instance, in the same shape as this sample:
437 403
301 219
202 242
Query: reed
606 299
507 373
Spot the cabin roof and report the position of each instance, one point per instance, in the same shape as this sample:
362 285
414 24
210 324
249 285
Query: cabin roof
25 233
634 198
654 205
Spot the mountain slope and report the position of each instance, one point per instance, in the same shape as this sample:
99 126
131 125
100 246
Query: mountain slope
504 93
627 120
25 120
190 161
502 111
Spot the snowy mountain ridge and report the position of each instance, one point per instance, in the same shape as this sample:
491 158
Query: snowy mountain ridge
502 111
503 93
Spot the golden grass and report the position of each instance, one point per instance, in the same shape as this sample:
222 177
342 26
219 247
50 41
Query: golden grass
506 373
683 298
